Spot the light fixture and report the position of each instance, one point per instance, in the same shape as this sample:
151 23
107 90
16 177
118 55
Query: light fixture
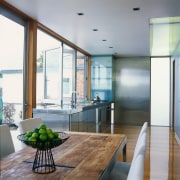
104 40
136 8
95 29
80 14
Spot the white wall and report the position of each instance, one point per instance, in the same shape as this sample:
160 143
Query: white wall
160 91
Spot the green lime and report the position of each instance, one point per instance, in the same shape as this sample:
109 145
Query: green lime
57 139
43 137
35 135
26 138
50 136
42 131
48 130
32 141
29 134
36 130
56 134
42 126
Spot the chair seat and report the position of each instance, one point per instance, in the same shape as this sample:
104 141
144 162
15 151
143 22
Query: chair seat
120 171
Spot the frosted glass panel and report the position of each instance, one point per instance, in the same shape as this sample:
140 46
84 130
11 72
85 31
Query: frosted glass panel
101 77
160 91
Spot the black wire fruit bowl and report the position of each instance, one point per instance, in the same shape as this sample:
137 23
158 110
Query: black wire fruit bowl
48 144
44 161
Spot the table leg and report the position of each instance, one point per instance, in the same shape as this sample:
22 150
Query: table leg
124 153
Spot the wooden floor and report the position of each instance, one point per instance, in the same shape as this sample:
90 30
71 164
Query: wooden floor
162 160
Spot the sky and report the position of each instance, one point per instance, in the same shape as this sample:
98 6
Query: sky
12 44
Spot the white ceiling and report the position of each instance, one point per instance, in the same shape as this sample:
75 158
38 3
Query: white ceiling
125 30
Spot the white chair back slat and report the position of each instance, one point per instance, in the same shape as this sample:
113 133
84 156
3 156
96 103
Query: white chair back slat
143 129
141 147
136 171
29 124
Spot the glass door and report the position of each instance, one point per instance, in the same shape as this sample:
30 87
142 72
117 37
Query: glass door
12 68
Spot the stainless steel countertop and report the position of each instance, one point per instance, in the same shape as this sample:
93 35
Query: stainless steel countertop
66 109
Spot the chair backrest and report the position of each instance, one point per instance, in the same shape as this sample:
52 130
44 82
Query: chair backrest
143 129
6 142
136 171
29 124
141 147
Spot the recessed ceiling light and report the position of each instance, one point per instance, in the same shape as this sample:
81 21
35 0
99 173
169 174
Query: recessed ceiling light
95 29
104 40
111 47
80 14
136 9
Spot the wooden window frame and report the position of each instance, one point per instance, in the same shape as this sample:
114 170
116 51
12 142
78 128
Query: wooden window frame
33 25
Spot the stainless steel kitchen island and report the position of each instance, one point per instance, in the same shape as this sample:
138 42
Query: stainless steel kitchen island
84 117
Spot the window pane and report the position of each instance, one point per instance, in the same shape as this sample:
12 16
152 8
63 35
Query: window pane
49 51
68 73
80 82
11 69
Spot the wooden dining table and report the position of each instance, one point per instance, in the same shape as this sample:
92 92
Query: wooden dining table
86 156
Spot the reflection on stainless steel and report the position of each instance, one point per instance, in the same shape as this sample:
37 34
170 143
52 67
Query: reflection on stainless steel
112 128
132 90
73 99
112 113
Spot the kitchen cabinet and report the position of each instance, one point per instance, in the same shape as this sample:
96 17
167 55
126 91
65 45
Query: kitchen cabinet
87 120
54 121
74 122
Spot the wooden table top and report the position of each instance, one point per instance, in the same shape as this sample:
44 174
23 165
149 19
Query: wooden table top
84 155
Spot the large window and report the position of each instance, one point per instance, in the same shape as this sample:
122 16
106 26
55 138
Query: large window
12 68
61 71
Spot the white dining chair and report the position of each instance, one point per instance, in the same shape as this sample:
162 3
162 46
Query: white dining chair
136 171
6 142
140 139
29 124
143 129
121 170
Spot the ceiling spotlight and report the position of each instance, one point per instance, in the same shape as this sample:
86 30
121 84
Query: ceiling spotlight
95 29
80 14
136 9
111 47
104 40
